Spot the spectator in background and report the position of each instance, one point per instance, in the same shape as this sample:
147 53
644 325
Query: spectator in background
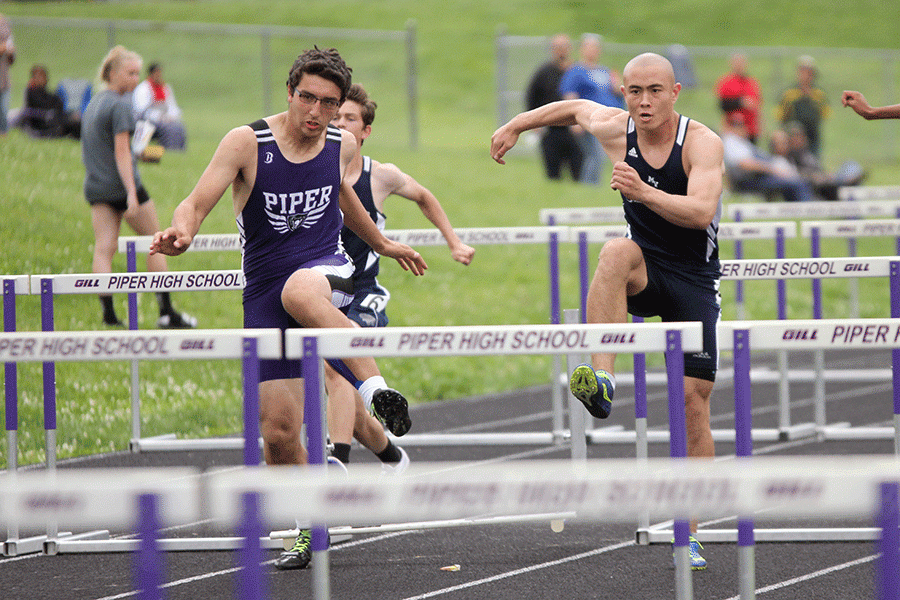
112 184
750 169
558 145
7 58
824 184
739 93
858 102
590 80
44 113
806 104
154 101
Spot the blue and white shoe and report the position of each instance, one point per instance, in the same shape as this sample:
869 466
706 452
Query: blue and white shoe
698 563
594 389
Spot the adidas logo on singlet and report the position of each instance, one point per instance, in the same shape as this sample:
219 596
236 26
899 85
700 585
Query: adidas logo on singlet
633 152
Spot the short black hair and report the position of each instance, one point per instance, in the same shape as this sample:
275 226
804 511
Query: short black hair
327 64
359 95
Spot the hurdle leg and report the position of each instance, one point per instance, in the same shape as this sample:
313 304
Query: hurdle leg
11 383
314 420
557 396
131 260
577 415
678 450
894 283
888 546
49 394
743 447
250 581
148 563
641 445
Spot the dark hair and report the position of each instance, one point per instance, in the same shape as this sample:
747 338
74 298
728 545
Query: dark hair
35 69
153 67
327 64
359 95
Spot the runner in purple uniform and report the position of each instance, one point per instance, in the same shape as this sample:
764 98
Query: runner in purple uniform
286 174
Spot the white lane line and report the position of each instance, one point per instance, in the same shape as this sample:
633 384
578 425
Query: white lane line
522 571
210 575
789 582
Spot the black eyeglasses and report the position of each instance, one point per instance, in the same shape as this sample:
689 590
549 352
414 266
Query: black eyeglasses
310 99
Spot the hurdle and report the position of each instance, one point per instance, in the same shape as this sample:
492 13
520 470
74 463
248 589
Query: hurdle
850 230
803 268
808 487
823 268
172 281
551 236
858 202
211 344
314 345
794 335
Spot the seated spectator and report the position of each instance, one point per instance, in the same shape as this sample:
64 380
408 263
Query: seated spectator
154 101
75 94
44 114
809 166
750 169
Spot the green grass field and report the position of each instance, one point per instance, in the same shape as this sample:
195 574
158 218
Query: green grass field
47 227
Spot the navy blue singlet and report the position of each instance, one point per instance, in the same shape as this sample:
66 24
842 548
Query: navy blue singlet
365 260
654 234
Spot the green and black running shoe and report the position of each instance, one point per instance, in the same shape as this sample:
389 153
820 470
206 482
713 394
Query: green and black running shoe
594 389
299 555
390 407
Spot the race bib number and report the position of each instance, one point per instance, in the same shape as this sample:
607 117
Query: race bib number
377 302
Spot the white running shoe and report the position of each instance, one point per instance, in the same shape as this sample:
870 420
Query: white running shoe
396 469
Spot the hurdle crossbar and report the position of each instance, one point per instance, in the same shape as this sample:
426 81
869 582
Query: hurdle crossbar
812 334
600 490
55 346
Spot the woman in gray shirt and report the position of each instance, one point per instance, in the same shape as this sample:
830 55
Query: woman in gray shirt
112 185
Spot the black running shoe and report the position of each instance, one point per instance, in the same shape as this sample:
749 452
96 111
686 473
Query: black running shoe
298 556
176 320
391 408
112 321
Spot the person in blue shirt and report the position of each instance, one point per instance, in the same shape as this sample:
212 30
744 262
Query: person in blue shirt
589 80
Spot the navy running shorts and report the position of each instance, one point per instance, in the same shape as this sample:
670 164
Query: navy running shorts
369 305
677 294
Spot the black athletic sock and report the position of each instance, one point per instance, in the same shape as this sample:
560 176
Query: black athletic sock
165 303
390 454
109 310
342 453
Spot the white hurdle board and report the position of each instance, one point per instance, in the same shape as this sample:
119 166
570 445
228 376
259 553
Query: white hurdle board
577 216
869 192
745 211
486 340
180 344
475 236
164 281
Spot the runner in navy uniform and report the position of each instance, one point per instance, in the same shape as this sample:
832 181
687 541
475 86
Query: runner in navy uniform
669 171
374 183
286 174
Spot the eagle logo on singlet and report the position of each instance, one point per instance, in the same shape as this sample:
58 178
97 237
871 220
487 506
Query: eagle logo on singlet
289 212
